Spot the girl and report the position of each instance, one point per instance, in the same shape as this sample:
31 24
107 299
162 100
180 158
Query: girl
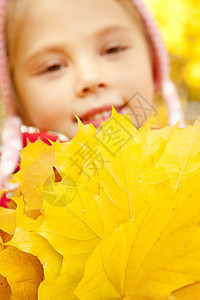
61 58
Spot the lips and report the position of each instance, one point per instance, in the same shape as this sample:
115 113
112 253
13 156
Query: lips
98 115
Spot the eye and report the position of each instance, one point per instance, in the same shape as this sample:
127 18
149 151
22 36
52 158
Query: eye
114 50
54 68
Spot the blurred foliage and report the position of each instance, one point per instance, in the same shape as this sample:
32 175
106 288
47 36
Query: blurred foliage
179 24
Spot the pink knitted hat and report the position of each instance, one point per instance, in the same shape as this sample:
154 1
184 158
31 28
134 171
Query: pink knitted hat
12 141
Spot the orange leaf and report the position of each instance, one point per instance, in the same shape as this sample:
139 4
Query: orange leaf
23 272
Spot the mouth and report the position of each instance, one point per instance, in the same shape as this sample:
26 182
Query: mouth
97 116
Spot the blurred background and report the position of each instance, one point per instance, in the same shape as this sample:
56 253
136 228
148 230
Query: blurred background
179 22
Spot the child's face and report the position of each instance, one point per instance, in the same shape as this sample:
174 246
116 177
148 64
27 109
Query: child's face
73 57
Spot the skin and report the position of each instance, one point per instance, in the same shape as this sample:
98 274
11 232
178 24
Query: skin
66 61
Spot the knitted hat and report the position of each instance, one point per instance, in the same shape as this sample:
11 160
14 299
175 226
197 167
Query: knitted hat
12 137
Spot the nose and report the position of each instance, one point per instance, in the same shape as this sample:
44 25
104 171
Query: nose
90 87
91 80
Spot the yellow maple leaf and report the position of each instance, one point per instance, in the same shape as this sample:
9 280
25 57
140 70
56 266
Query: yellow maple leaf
23 273
36 166
176 164
152 255
120 214
190 292
7 220
5 291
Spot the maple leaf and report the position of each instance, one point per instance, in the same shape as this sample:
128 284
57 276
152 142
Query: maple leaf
37 160
117 213
176 164
190 292
154 254
23 272
7 220
5 291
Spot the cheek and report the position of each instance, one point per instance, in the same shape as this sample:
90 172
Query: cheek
136 74
39 95
44 103
137 80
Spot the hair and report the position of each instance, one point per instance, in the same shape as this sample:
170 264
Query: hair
12 19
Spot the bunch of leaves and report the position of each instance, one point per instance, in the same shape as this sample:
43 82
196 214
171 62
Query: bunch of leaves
112 214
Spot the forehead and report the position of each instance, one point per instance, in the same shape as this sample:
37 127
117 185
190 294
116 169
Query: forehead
41 24
77 14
